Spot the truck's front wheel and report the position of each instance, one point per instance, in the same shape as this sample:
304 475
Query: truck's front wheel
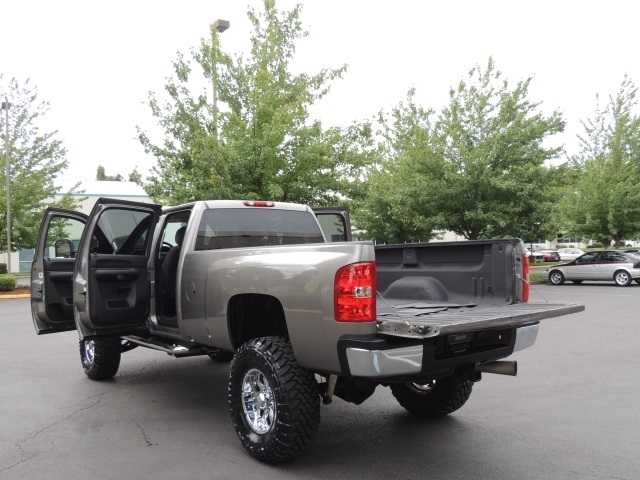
275 404
100 358
435 398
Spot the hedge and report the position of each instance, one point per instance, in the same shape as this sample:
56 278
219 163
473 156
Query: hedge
7 283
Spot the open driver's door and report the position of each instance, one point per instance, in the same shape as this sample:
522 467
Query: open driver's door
52 270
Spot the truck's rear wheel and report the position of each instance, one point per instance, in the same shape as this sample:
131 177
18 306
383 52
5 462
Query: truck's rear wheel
435 398
100 358
275 404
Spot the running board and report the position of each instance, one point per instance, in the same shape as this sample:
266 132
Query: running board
170 348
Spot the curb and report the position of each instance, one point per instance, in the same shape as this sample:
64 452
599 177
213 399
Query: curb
17 295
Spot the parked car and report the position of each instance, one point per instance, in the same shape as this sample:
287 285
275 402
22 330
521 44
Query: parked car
535 256
550 255
570 253
613 265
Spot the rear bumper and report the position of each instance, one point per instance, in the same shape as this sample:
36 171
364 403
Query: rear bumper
376 358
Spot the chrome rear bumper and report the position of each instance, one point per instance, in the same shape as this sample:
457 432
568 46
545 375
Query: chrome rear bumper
409 360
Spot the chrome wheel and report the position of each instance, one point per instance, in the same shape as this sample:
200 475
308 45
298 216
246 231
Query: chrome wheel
100 358
556 277
275 404
622 278
434 398
422 388
89 353
258 402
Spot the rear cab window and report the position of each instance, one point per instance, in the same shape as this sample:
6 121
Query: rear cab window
255 227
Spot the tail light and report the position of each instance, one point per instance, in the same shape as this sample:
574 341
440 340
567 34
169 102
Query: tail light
525 276
355 293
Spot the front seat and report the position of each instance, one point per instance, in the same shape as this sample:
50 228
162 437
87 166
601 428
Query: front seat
170 272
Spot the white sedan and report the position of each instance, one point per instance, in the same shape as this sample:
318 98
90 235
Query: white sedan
570 253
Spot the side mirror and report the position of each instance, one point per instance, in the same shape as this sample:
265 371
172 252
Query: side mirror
64 248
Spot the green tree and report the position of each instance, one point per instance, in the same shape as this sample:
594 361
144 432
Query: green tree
264 145
494 182
477 168
37 159
389 210
605 202
102 176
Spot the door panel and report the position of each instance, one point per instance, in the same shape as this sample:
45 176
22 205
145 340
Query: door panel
118 287
111 279
52 270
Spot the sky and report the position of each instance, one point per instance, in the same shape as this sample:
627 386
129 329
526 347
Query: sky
95 62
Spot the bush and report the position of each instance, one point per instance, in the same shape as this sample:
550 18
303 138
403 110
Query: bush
7 283
3 268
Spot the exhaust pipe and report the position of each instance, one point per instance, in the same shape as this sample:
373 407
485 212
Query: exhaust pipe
501 367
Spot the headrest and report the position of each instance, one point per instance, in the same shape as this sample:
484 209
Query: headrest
180 235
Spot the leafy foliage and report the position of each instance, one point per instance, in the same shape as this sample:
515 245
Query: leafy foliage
37 159
262 144
102 176
390 209
605 203
477 169
8 283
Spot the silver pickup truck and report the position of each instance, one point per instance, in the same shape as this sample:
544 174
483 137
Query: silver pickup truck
302 313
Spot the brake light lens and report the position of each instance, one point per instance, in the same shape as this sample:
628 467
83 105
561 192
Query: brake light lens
525 273
258 203
355 293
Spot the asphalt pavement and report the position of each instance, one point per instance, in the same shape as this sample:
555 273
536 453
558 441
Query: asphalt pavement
571 413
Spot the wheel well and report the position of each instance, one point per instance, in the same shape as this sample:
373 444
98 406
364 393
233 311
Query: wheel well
253 315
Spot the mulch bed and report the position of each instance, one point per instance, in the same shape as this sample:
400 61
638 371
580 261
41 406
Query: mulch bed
22 289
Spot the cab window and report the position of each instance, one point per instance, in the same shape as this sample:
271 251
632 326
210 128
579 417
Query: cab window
126 231
62 238
236 228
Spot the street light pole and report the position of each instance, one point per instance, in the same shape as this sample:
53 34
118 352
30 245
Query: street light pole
6 106
218 26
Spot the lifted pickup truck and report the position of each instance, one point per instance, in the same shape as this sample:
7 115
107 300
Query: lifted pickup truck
302 312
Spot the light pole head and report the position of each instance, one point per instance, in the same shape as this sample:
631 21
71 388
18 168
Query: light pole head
6 105
220 25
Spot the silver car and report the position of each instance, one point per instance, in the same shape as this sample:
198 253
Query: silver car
570 253
620 267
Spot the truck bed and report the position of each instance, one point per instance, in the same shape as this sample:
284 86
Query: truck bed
432 289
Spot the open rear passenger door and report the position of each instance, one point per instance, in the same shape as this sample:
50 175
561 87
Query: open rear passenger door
111 278
52 270
334 222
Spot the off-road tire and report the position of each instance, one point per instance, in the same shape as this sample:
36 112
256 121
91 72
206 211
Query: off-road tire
265 378
100 358
556 277
221 356
434 399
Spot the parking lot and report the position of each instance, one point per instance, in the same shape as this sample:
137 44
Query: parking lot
571 413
